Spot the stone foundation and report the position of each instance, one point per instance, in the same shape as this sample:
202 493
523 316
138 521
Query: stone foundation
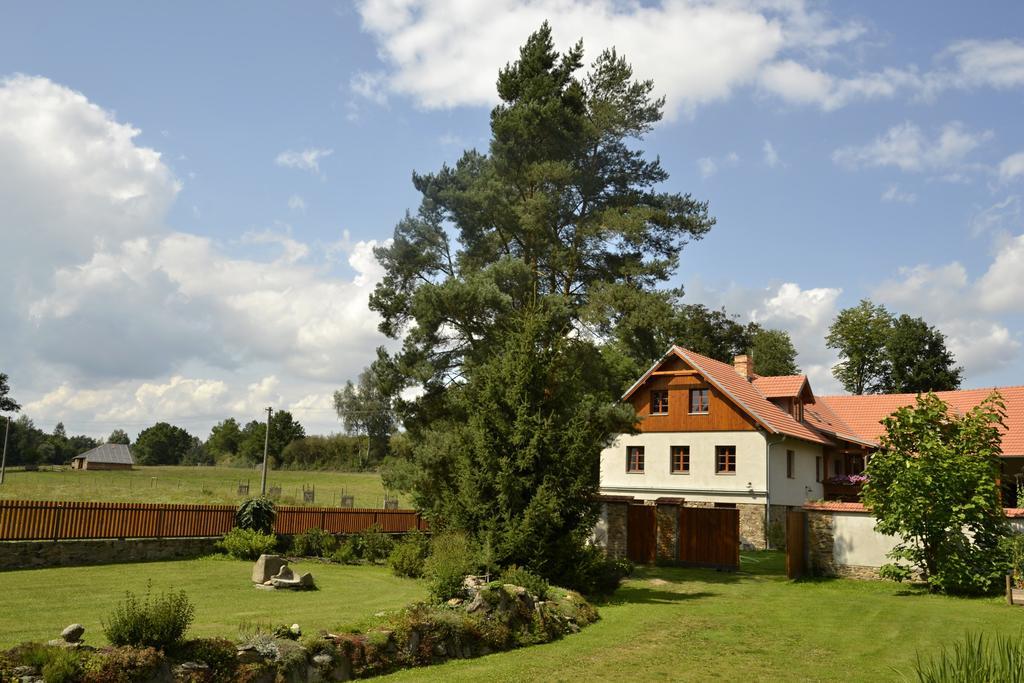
616 520
667 515
36 554
752 531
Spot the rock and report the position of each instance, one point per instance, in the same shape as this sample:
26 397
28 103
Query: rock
73 633
286 579
455 602
295 629
60 642
247 654
478 604
187 670
266 567
323 659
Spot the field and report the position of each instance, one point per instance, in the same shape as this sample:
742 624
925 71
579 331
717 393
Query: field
663 624
38 603
191 485
678 624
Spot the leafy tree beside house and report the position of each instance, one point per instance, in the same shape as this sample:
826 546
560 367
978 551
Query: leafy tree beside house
162 444
773 353
933 484
880 353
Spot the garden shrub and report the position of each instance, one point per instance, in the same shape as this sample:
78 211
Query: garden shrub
373 545
346 553
314 542
409 555
158 622
518 576
219 654
450 560
597 574
64 666
1013 547
976 659
257 514
124 665
247 544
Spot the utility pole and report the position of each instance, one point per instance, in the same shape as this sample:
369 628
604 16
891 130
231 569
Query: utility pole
3 462
266 444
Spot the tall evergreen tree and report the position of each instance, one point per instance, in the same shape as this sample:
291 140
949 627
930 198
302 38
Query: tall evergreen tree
558 233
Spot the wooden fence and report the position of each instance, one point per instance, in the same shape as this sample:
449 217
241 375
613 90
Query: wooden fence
22 520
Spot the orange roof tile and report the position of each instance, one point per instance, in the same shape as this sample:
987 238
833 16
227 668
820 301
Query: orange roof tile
864 414
749 398
781 386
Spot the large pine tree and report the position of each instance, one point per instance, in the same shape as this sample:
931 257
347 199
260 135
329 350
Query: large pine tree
517 264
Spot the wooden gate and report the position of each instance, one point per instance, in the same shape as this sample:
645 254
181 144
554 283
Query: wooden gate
796 544
641 534
709 537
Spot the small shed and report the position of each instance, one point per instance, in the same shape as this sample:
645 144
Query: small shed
108 456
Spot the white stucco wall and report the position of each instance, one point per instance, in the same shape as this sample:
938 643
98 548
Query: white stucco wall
857 543
802 487
701 484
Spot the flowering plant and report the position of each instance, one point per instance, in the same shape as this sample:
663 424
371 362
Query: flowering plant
849 479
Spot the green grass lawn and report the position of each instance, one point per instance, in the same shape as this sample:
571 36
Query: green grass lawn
688 624
183 484
38 603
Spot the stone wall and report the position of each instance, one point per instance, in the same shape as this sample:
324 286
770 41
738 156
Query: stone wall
37 554
667 516
616 520
752 531
821 543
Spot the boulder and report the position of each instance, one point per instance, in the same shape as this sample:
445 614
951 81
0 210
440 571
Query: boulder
266 567
286 579
73 633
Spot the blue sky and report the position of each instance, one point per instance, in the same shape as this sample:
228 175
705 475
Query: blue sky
193 190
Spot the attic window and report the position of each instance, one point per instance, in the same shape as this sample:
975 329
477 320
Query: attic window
659 402
698 401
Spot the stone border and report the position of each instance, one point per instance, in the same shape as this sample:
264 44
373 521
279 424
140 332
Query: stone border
15 555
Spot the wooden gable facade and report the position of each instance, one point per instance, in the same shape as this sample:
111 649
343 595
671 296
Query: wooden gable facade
678 378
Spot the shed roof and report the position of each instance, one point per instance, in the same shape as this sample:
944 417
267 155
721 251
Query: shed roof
114 453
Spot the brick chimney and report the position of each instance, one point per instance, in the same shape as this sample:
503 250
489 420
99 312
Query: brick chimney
744 365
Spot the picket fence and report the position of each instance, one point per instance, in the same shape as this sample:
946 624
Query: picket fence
29 520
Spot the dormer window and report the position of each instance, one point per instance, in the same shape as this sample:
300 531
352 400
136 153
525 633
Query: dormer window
798 410
659 402
699 401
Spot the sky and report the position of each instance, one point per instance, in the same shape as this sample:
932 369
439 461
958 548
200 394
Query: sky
190 193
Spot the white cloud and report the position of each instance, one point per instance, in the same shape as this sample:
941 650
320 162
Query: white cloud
893 193
305 160
908 148
995 63
1012 166
296 203
963 310
1002 217
709 166
70 175
115 317
770 155
445 56
1001 288
370 86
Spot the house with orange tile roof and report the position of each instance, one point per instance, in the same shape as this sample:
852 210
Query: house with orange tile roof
720 435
